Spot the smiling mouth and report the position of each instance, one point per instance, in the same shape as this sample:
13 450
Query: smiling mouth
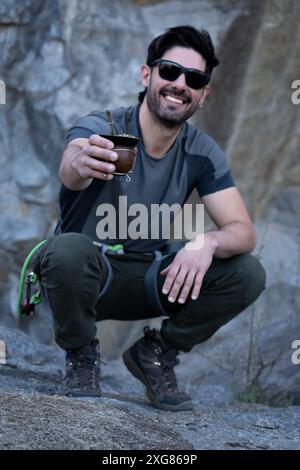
173 99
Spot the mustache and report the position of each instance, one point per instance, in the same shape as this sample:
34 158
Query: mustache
178 93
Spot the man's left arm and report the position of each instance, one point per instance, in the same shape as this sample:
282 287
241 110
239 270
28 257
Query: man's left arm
235 234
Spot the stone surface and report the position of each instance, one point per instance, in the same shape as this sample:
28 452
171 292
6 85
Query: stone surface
123 418
26 354
266 118
117 424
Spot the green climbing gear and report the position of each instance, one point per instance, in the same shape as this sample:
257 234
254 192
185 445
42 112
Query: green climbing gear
26 308
115 248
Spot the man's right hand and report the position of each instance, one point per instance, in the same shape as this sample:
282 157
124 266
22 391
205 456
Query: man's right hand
95 159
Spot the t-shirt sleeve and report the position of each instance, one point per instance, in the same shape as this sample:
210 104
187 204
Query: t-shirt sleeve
214 174
87 125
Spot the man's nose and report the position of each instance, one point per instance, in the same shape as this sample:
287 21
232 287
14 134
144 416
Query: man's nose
180 81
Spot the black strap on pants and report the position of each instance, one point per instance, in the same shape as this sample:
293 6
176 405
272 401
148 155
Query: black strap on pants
150 280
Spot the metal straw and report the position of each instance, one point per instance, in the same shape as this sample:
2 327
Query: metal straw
110 122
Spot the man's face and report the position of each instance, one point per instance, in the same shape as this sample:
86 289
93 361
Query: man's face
172 103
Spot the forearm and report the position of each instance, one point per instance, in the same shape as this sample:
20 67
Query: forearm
67 173
232 239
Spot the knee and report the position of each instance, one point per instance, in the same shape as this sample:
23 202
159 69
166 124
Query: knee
68 253
252 277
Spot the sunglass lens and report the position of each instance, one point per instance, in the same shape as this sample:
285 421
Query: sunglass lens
196 80
169 71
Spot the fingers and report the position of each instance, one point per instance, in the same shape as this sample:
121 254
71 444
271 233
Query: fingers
98 165
188 283
96 139
184 276
172 273
197 285
100 152
182 281
94 160
101 175
174 282
90 167
165 271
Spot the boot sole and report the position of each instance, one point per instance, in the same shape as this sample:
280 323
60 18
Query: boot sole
138 374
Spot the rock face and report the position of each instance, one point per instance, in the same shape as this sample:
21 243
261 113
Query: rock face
62 59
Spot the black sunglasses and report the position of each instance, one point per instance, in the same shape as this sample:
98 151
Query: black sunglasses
170 71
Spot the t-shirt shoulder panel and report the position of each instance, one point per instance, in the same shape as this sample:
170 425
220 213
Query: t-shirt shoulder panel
199 143
209 162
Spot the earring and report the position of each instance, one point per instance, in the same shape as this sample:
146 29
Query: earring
200 105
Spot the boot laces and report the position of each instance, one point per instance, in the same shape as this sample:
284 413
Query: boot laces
84 367
168 360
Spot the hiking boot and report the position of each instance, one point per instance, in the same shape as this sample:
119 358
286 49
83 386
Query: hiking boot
83 371
152 361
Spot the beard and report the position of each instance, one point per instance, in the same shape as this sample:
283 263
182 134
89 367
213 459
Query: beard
169 115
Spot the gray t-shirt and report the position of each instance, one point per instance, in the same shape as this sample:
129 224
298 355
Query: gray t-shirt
193 161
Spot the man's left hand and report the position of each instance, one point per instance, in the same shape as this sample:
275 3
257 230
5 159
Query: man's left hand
188 268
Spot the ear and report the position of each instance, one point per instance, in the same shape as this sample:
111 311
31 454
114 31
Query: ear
145 75
204 93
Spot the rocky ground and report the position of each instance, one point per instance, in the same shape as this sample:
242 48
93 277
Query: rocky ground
33 414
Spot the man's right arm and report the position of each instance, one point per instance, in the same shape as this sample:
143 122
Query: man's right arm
85 159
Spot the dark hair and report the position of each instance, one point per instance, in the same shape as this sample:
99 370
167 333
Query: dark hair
183 36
